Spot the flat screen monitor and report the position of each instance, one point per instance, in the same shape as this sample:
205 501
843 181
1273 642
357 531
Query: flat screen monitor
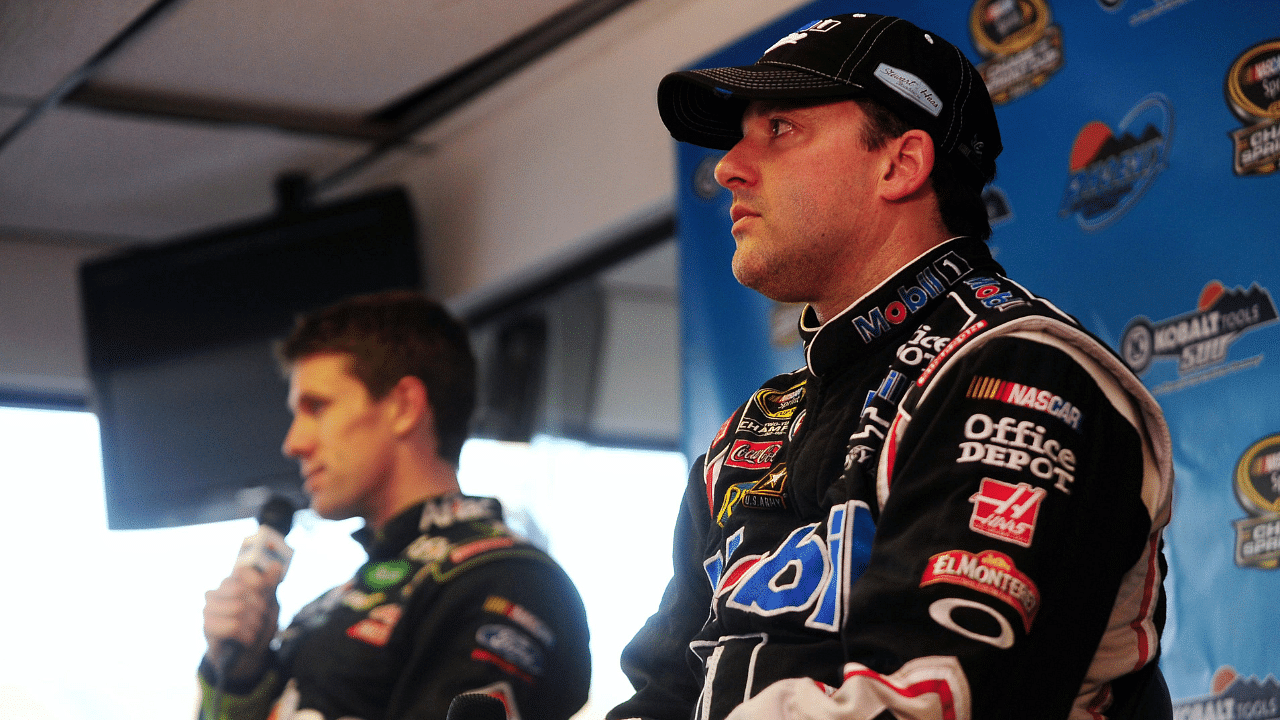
179 337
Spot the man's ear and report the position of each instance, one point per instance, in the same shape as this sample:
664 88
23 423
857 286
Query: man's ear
411 406
911 158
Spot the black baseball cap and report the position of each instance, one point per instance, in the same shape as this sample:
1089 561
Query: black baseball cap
922 78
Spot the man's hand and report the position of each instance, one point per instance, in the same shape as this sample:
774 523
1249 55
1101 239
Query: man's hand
242 609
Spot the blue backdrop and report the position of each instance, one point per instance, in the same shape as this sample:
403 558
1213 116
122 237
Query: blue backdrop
1138 191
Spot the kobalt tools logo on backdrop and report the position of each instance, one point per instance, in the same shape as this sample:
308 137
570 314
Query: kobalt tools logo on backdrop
1198 339
1021 46
1252 89
1257 486
1110 172
1234 698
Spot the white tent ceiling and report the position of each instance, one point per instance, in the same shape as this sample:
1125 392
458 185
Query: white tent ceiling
127 120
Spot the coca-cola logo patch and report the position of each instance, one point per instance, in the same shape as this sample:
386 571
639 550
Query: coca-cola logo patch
752 455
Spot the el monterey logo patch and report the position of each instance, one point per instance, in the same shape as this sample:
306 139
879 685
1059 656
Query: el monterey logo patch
988 572
1109 172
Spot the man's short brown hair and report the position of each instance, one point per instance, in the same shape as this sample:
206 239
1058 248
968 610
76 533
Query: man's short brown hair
391 335
959 195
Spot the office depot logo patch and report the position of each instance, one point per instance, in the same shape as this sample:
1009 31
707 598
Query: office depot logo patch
1006 512
986 388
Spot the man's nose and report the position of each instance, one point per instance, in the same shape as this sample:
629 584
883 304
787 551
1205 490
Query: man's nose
732 169
293 445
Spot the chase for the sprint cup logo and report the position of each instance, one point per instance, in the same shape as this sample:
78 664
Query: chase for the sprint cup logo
1257 489
1252 89
1020 45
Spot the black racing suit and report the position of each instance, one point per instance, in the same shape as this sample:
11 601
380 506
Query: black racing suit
449 602
952 511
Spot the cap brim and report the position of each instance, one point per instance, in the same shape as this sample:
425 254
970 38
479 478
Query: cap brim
705 107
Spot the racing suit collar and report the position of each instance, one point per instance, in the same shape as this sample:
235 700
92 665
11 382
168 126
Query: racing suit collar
885 315
423 517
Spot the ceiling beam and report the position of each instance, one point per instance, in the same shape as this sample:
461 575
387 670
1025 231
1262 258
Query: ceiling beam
432 102
183 107
86 70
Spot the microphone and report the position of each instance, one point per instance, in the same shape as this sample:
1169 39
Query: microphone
476 706
264 550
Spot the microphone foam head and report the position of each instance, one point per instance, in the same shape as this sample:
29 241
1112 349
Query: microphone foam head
476 706
277 514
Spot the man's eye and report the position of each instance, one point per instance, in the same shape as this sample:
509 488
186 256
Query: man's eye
778 126
311 406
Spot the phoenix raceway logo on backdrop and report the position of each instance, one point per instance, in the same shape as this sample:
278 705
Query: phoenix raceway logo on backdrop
1257 488
1020 45
1200 339
1233 698
1252 90
1110 171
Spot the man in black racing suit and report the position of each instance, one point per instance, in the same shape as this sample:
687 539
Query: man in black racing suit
954 509
450 602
